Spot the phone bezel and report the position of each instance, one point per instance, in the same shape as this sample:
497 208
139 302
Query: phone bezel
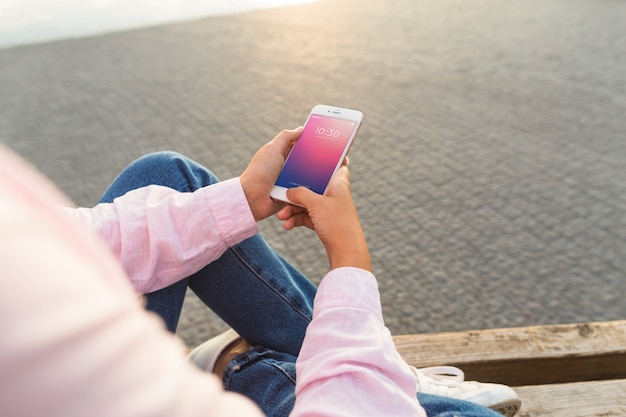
279 192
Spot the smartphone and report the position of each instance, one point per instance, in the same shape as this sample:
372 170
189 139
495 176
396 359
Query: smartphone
319 152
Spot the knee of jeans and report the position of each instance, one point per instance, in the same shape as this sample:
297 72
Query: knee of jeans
155 161
175 170
159 160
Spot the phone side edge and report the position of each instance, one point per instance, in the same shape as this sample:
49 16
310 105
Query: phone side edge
280 194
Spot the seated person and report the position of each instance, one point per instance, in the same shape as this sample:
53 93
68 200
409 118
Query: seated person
78 342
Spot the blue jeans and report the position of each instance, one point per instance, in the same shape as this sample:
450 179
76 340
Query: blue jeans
256 292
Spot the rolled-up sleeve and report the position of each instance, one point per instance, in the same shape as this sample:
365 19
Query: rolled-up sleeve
348 364
160 235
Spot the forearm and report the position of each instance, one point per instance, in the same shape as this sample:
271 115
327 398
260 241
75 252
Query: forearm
161 236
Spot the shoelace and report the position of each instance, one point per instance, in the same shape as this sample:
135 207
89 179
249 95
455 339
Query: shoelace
449 381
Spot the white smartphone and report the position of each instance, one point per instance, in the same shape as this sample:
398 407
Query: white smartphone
320 150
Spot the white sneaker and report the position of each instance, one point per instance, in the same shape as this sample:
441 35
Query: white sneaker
205 355
448 381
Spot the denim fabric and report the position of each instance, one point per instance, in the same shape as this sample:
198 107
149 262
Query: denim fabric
256 292
266 376
437 406
261 296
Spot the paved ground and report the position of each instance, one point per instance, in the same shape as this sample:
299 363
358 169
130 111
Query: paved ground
490 172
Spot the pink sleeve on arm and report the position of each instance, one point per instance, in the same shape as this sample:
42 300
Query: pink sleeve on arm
348 364
160 235
75 341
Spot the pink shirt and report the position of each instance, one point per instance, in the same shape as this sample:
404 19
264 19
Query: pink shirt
76 341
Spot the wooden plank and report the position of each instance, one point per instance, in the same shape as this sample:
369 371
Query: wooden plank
579 399
525 355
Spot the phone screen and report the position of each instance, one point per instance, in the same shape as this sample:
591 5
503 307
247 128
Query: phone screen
316 154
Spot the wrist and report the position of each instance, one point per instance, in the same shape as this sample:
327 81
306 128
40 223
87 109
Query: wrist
247 192
352 253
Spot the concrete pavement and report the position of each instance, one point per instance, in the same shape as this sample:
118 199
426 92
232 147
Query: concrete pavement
490 171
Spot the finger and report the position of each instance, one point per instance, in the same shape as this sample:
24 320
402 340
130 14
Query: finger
285 139
298 220
302 196
289 210
284 213
343 173
340 182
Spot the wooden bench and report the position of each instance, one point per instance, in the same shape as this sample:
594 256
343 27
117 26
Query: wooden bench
558 370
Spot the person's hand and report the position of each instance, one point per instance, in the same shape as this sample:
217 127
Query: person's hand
334 218
260 176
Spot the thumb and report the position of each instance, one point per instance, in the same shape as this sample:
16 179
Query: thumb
285 140
302 196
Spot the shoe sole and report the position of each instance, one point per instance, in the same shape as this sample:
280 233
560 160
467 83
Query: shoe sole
507 408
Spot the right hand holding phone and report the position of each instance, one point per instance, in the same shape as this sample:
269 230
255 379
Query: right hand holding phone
333 216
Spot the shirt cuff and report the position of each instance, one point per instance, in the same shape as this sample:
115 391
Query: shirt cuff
349 287
229 207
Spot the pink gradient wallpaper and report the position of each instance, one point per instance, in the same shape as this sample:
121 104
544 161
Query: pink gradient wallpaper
317 153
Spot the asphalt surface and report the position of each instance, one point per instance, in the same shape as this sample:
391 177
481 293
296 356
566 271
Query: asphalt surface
490 172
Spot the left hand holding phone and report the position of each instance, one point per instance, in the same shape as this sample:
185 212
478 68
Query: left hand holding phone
259 177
